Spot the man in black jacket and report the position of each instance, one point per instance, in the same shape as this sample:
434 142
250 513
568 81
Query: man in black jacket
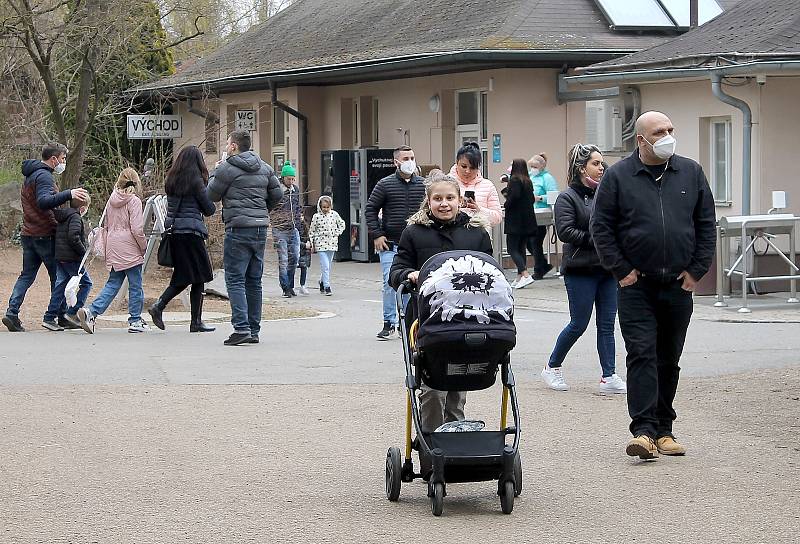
654 228
397 197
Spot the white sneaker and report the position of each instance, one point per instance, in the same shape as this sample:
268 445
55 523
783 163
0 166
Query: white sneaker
523 282
613 385
554 379
86 318
302 290
514 283
139 326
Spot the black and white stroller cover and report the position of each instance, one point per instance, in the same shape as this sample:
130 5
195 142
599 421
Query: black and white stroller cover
462 292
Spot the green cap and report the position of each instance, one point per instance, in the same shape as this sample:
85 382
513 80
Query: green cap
288 170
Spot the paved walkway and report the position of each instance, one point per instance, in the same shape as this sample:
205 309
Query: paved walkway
171 437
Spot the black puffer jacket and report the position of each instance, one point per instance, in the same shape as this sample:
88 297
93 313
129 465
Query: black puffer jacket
659 228
426 237
399 199
572 212
248 189
185 213
520 219
70 235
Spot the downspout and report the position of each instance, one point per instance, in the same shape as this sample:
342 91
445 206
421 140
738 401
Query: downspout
303 125
747 137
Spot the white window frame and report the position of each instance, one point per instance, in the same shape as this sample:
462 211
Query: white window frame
477 132
712 152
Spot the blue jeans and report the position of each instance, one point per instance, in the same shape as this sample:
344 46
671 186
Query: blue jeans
389 302
36 251
288 245
112 287
64 272
585 291
243 258
325 260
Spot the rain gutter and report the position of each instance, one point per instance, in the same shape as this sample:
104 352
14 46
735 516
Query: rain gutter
413 64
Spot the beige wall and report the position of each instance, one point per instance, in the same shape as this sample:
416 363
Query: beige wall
521 107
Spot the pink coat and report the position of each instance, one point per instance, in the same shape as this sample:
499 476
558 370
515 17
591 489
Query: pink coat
125 241
485 196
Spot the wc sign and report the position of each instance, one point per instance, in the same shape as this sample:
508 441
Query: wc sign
245 120
146 127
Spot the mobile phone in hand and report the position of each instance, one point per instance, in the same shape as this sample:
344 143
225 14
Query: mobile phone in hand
469 194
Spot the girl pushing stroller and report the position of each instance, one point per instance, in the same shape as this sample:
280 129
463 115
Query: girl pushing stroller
457 332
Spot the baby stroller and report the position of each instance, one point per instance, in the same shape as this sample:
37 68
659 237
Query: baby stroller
461 337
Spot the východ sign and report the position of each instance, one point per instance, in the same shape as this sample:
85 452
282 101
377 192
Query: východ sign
154 127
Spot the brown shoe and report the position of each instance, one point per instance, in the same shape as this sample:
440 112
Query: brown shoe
643 446
667 445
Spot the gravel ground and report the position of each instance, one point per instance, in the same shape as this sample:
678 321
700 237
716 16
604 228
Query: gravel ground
305 464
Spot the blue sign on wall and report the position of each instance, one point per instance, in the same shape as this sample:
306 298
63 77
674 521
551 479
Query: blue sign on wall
497 154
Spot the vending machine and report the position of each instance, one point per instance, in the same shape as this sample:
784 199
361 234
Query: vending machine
349 175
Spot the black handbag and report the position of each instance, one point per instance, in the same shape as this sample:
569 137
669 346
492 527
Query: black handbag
165 246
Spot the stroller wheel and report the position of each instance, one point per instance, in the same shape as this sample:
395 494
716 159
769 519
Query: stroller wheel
507 497
437 499
394 469
517 475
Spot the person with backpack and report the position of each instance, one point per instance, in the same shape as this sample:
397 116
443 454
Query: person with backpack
124 249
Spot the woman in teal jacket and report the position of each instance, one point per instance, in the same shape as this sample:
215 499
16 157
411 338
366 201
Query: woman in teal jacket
543 182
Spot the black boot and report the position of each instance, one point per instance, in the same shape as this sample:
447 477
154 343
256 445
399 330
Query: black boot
196 299
155 312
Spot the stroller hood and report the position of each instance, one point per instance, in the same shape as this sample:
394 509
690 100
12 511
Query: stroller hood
464 292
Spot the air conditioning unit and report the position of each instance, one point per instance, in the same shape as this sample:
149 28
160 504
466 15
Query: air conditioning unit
604 124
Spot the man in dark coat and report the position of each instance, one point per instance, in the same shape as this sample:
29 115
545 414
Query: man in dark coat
248 189
396 198
654 228
39 196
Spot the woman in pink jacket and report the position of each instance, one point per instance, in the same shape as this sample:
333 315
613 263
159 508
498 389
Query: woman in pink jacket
467 170
125 245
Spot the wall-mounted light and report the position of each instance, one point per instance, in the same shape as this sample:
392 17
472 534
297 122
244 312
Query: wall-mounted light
491 84
434 103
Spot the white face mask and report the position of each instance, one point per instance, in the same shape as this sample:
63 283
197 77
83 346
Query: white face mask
60 167
664 148
534 172
408 167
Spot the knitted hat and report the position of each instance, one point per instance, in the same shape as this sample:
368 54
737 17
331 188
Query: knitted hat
288 170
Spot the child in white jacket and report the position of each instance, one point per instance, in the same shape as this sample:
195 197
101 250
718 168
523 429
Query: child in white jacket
326 226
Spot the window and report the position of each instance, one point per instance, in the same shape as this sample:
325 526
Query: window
212 140
720 159
467 108
279 127
472 121
484 117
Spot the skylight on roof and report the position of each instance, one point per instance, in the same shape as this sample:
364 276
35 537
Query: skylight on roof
635 14
642 14
679 11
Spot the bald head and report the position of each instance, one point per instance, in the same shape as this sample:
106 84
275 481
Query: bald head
650 127
650 118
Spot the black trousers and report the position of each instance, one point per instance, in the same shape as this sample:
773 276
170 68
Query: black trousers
518 243
653 317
